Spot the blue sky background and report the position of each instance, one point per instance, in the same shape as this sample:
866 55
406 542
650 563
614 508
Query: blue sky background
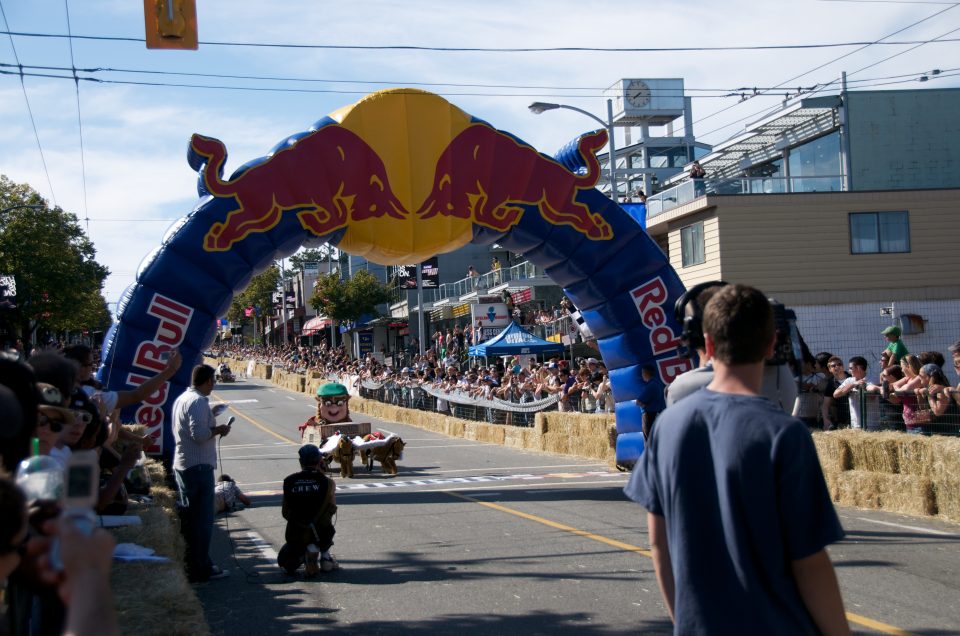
135 136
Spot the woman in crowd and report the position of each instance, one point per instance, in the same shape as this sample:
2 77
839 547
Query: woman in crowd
905 388
944 411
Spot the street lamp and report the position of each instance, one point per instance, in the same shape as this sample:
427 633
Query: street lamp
538 107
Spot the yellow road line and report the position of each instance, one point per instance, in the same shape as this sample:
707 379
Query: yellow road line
264 428
553 524
853 618
877 625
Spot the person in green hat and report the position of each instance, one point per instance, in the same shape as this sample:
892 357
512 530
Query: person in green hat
896 347
333 406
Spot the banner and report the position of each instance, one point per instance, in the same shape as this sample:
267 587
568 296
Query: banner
430 274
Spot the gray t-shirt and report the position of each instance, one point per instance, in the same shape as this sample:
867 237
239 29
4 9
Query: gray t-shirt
779 385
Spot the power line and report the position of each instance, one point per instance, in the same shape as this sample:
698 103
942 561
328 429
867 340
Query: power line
76 85
463 49
33 121
742 92
816 68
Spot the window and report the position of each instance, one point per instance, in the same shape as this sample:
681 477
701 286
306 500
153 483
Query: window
879 232
691 245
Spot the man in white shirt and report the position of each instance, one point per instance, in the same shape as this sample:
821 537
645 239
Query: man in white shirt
864 409
194 461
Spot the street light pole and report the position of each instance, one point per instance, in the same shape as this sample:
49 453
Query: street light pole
538 107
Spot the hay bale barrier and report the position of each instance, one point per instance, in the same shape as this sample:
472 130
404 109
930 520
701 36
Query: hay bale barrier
910 474
167 604
893 471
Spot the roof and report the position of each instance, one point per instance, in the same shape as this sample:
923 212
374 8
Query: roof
793 124
515 339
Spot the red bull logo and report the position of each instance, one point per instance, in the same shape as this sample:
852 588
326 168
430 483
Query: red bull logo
330 177
487 176
334 178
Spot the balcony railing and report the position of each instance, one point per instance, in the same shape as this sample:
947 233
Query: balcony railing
691 189
517 274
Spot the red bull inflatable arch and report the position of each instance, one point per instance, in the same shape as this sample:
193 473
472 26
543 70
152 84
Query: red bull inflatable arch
398 177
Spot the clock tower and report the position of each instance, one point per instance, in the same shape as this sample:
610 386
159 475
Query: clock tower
654 102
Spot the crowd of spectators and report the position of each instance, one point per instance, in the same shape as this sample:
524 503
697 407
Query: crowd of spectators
910 393
52 397
582 386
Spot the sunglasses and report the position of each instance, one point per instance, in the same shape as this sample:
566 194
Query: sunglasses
83 417
55 423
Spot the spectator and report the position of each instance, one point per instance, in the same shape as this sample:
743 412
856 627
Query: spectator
697 171
863 411
651 399
835 412
905 388
810 396
943 410
228 496
309 503
724 510
495 268
895 345
196 432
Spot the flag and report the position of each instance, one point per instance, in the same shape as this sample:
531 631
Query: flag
248 312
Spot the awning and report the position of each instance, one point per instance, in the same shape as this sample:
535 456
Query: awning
315 326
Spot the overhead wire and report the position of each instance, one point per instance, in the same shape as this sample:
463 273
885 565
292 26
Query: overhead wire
721 92
820 66
76 84
26 98
466 49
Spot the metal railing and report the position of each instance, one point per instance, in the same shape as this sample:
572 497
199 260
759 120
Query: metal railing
900 411
519 273
691 189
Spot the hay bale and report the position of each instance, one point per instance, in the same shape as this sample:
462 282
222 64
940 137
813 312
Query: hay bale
490 433
909 494
833 451
915 455
556 443
874 452
170 606
947 493
945 458
519 437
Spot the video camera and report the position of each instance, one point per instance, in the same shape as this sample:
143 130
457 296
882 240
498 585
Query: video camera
787 348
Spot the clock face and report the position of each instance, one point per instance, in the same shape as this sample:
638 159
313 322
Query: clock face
638 94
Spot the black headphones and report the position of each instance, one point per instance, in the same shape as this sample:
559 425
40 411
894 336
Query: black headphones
692 336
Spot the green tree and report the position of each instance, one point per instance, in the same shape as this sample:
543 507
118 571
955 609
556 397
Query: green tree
315 255
58 280
259 293
343 301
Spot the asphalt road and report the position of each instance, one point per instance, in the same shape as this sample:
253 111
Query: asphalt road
473 538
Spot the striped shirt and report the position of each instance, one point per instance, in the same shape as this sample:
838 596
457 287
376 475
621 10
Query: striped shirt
193 424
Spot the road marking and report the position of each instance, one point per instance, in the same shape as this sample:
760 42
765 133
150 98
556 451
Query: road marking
250 401
232 446
853 618
906 527
380 486
261 544
292 399
553 524
263 428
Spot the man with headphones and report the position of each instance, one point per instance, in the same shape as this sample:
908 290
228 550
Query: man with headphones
779 385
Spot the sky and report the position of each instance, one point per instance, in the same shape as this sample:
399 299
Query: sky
131 180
